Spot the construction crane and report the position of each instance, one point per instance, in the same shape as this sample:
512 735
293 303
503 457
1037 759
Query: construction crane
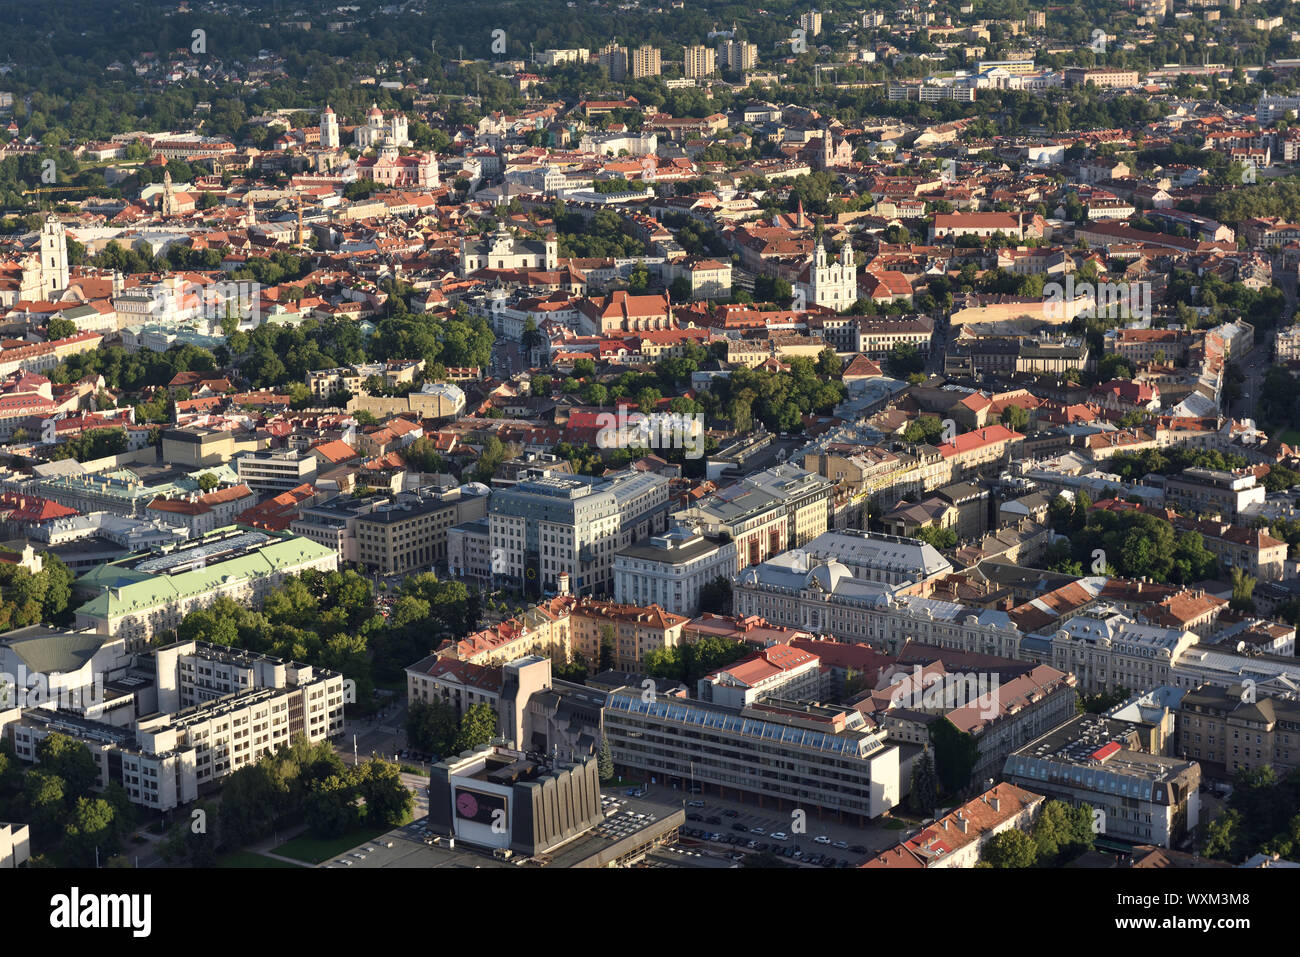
51 189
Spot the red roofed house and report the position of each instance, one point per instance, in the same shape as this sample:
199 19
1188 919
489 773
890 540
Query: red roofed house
956 839
779 670
979 450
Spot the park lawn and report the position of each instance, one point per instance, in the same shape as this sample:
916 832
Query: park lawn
1290 437
251 859
317 850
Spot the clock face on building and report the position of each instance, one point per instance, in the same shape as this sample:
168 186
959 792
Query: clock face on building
479 806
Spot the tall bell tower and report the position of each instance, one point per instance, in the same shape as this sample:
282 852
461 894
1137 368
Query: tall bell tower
54 257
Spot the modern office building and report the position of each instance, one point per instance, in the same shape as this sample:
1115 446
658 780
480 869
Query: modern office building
795 755
207 712
273 471
502 799
544 527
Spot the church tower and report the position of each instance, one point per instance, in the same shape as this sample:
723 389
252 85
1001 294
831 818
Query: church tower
54 257
329 129
168 204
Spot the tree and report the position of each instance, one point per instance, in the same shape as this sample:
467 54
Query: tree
388 800
925 786
60 328
715 596
606 661
1224 836
940 538
903 360
955 754
478 725
1015 418
432 726
605 762
207 482
1243 587
331 806
70 760
1010 849
91 834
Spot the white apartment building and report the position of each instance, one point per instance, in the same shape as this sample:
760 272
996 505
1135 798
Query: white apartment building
271 472
15 845
217 711
700 61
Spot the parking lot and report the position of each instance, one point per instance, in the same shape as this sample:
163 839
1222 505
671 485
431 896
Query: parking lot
734 829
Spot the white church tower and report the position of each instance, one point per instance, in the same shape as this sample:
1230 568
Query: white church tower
329 129
831 283
54 257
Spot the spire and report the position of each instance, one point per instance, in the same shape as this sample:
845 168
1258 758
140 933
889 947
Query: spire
800 220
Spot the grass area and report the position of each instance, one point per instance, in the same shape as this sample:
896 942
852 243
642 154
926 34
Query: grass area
412 769
894 824
317 850
621 783
251 859
1290 437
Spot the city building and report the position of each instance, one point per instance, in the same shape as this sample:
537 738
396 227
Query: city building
206 712
780 671
544 527
958 838
1234 728
796 755
273 471
141 596
670 570
1141 798
700 61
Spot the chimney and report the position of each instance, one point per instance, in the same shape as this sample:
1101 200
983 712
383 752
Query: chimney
995 802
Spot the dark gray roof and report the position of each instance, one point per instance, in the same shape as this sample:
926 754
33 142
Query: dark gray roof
49 651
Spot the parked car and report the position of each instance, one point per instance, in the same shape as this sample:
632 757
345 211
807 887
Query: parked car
842 845
780 836
821 839
757 830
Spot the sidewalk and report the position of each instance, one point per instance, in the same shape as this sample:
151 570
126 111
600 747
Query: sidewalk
264 847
